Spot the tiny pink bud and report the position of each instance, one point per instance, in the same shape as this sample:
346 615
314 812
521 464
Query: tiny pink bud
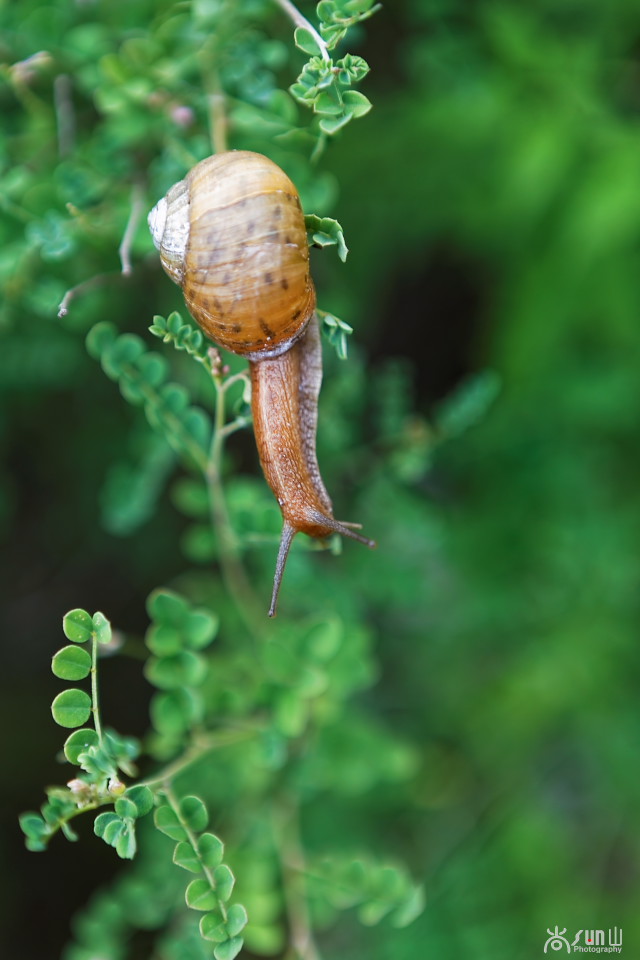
77 786
182 116
116 786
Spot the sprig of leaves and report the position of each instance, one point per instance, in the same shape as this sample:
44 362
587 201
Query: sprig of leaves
142 377
100 755
184 336
335 332
326 86
201 852
337 16
177 635
377 890
325 232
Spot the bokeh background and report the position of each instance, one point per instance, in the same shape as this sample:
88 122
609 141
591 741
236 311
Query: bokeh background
491 202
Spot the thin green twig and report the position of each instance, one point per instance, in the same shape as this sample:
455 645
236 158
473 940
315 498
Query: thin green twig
95 706
193 841
194 754
286 815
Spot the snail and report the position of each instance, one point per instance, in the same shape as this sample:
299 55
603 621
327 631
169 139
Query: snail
232 235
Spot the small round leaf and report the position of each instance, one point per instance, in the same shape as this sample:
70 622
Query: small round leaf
108 826
212 927
229 949
125 807
200 896
224 880
79 741
185 856
77 626
211 850
175 711
184 669
102 627
200 628
194 813
71 663
142 798
126 843
71 708
165 606
237 919
167 822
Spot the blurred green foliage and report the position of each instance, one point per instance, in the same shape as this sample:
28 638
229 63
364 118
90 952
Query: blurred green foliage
489 442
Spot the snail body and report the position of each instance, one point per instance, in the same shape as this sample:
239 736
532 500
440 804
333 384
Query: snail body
232 235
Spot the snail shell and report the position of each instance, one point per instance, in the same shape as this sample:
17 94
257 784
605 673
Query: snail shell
232 235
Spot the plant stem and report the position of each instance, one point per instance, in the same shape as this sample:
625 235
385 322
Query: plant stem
302 21
287 823
218 116
216 742
65 114
175 806
95 706
137 207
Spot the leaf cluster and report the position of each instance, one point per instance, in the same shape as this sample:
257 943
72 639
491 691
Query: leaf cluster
176 638
376 890
203 853
100 756
142 377
326 88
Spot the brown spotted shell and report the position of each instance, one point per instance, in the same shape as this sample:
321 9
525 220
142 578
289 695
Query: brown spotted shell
232 235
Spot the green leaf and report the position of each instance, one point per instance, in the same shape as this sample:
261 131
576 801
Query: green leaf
224 880
175 711
373 911
167 822
142 799
325 232
102 628
336 332
358 105
79 742
165 606
229 949
194 813
331 125
211 850
77 626
185 856
71 708
213 927
407 912
99 339
184 669
108 827
200 628
125 807
163 640
305 41
200 896
237 919
327 104
71 663
126 843
35 829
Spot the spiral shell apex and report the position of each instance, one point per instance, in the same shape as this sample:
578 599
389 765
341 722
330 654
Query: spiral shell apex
232 235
